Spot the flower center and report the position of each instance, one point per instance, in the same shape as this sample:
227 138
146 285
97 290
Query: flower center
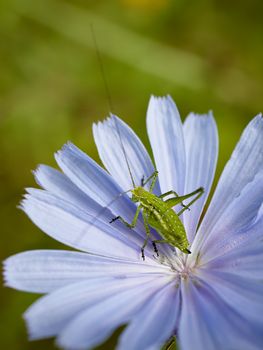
178 264
185 273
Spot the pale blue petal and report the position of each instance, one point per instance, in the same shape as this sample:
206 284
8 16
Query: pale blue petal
201 145
155 323
246 262
236 221
60 185
77 229
92 326
166 137
242 256
241 294
50 314
42 271
208 322
115 140
95 182
245 162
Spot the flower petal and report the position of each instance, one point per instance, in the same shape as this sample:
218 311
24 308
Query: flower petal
155 323
242 294
116 141
193 321
201 145
51 313
213 323
77 229
166 137
42 271
246 262
245 162
92 326
90 178
243 255
60 185
236 221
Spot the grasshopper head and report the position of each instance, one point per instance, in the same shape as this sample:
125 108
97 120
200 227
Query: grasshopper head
136 194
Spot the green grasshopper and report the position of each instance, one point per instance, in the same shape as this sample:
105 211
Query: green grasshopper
159 214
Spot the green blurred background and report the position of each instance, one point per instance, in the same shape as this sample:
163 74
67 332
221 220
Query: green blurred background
206 54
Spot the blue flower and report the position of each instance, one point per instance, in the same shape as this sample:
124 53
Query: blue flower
211 299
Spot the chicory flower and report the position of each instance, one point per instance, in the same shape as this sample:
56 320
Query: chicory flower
211 299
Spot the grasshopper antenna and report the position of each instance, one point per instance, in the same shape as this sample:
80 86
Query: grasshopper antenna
105 82
108 95
104 208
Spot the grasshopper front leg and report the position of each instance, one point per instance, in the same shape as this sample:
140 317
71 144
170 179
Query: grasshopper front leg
154 179
134 220
148 235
